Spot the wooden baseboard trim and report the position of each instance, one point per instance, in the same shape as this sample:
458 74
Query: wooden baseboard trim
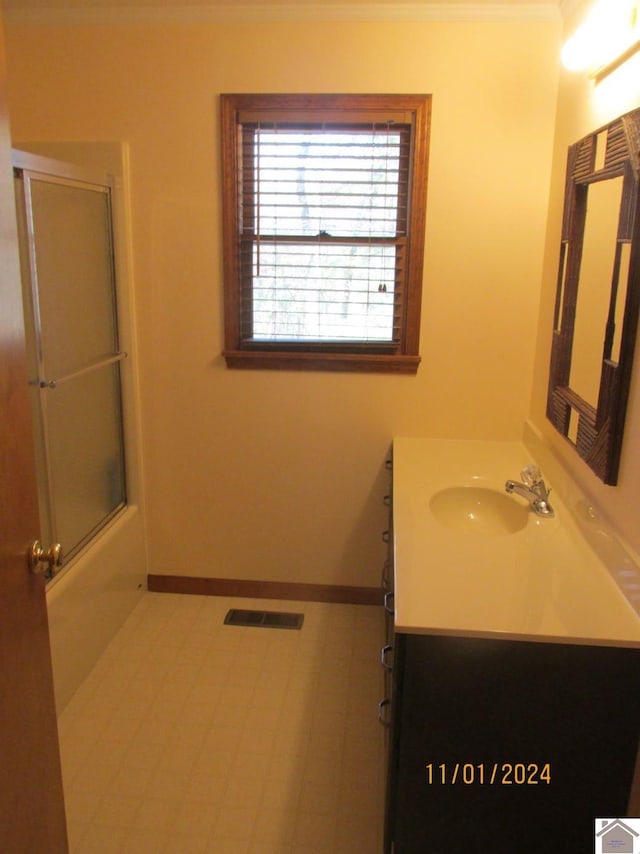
265 589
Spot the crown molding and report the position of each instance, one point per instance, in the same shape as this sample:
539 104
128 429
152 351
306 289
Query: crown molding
174 13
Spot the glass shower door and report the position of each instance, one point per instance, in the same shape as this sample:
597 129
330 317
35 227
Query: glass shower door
70 300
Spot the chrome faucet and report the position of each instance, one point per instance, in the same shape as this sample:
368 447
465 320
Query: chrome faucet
533 489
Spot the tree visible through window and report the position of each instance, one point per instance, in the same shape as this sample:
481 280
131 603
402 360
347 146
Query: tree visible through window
324 206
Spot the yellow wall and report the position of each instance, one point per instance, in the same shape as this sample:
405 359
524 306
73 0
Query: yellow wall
280 475
583 107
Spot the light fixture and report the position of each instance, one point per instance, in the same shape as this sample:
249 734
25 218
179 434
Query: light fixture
607 38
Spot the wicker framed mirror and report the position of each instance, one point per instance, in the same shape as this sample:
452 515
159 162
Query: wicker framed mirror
598 294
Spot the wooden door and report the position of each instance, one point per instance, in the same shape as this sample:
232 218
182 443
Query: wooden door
32 817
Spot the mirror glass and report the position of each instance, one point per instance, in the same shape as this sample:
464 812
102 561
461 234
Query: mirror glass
596 275
598 294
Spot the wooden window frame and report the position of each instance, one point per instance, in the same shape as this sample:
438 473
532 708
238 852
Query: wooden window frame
403 355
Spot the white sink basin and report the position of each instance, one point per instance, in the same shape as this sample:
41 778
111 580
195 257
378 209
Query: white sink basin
478 510
471 559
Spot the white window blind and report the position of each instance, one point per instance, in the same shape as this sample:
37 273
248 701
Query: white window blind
323 225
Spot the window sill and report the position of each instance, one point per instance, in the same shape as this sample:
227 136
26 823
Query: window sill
354 362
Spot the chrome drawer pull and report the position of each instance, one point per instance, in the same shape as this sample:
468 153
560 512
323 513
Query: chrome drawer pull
382 705
383 656
388 597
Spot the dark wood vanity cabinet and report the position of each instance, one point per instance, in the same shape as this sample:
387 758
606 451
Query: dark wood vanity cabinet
499 746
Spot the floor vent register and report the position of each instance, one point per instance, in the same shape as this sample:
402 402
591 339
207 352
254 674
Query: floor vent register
264 619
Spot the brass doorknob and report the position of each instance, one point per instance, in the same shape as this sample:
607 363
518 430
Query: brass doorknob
44 561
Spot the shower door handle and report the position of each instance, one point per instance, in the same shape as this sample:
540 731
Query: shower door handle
41 561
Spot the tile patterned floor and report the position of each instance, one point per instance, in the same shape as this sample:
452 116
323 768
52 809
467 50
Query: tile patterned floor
192 736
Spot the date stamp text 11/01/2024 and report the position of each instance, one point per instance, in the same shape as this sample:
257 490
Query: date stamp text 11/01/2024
489 774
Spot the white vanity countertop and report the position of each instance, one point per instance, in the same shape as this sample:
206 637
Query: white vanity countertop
542 582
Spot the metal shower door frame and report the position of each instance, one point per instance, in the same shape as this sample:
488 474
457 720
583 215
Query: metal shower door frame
28 168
